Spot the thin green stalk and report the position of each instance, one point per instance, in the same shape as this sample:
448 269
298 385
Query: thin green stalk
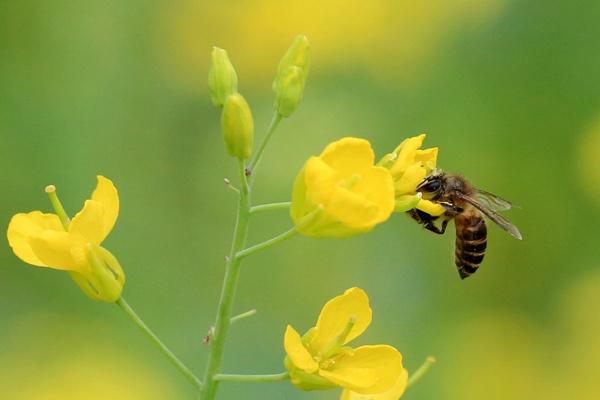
271 206
253 378
232 270
420 372
267 243
243 315
161 346
270 130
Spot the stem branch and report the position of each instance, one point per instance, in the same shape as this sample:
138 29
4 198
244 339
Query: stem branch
247 314
270 130
252 378
420 372
270 206
267 243
161 346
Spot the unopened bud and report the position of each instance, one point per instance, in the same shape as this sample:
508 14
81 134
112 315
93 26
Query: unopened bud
289 93
222 78
291 76
297 55
237 126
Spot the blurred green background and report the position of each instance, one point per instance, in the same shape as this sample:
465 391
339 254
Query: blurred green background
509 91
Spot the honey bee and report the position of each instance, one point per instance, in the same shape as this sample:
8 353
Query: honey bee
467 206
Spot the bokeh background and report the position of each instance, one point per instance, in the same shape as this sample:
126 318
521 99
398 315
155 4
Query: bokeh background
509 90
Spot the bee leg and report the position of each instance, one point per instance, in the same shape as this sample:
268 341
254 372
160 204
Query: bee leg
428 221
451 209
432 227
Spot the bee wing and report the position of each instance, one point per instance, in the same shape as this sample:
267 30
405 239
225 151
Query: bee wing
494 216
493 202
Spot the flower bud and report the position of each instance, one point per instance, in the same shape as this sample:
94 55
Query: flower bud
290 91
106 279
222 78
291 75
237 126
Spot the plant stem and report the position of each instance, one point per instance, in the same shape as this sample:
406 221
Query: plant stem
247 314
161 346
232 270
270 130
270 206
267 243
253 378
421 371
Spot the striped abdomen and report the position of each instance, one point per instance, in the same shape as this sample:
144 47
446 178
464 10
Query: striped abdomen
471 241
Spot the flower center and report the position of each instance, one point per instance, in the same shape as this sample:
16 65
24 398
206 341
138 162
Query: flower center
350 182
326 358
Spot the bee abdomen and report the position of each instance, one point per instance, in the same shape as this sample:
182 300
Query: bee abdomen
471 242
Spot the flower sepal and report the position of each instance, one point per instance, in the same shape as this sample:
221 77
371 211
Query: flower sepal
407 202
105 280
305 381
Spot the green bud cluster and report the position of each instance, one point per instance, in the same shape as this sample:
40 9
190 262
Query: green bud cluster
237 123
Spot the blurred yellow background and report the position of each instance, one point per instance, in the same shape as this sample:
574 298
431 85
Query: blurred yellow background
509 91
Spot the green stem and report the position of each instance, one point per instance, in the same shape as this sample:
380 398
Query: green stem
161 346
232 270
253 378
270 130
270 206
243 315
420 372
267 243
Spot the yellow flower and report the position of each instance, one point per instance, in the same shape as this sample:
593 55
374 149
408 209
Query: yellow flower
394 393
52 241
341 193
409 165
320 359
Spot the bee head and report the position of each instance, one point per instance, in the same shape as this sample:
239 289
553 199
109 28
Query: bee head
432 186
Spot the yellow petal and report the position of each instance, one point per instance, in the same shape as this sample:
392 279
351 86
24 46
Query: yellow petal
319 180
23 227
394 393
368 369
352 209
414 175
377 186
428 157
59 250
334 317
348 156
296 351
107 195
89 222
406 154
351 377
430 208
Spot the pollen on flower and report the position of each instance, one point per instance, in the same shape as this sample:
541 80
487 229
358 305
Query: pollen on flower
50 189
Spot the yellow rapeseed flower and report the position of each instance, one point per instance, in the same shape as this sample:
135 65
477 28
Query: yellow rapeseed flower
409 165
321 358
396 391
52 241
342 191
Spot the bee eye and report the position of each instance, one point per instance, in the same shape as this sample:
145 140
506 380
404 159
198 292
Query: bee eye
432 186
